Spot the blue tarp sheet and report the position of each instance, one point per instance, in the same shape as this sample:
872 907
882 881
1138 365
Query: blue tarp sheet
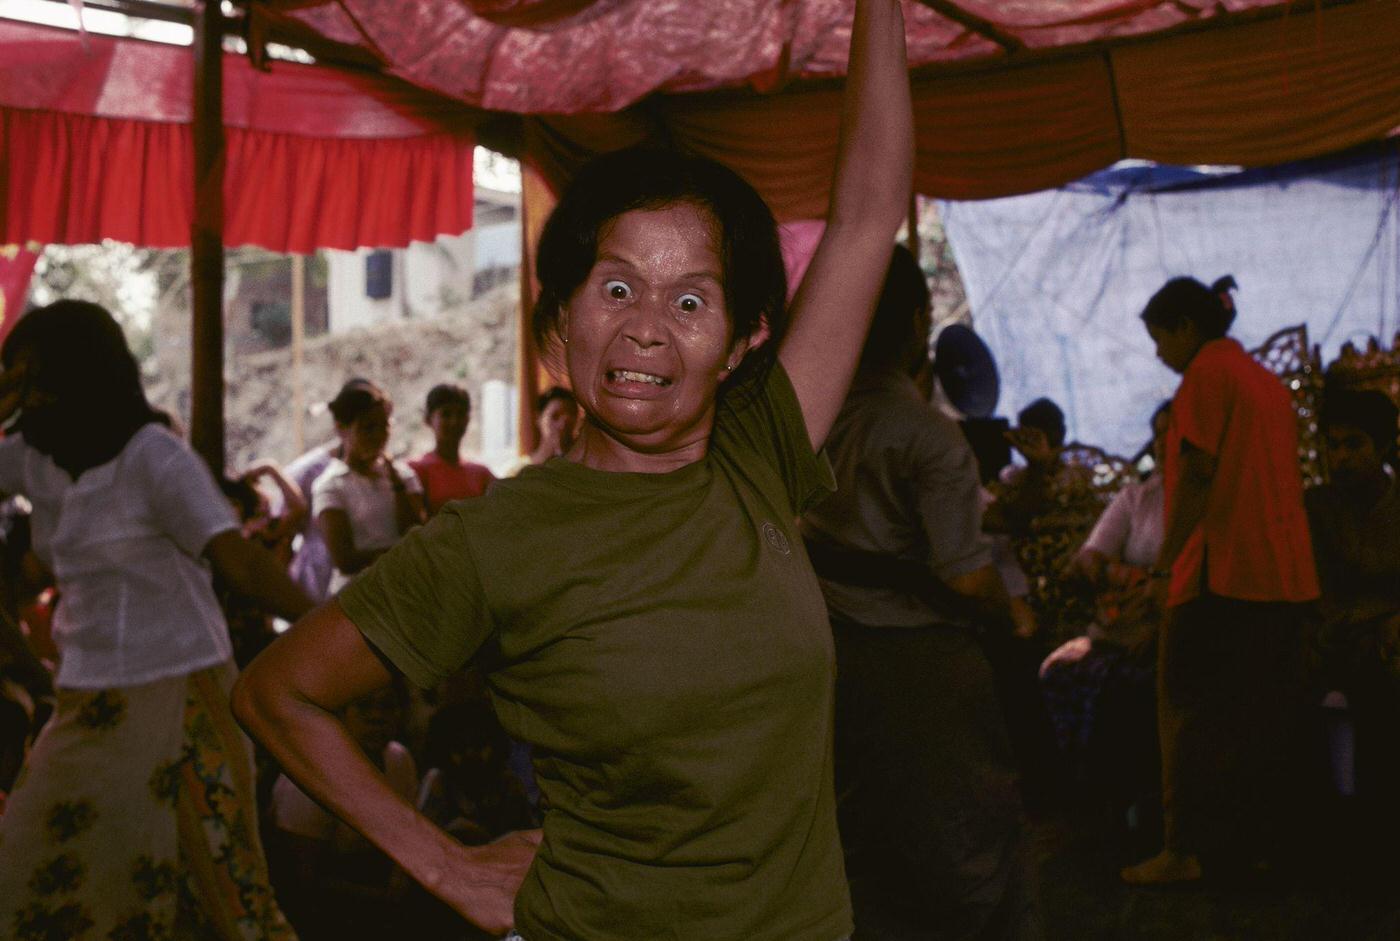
1056 280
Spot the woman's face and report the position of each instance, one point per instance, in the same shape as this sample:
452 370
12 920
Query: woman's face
648 336
1352 456
1176 347
366 436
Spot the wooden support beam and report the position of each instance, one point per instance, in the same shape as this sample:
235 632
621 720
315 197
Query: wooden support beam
206 240
531 367
976 24
298 353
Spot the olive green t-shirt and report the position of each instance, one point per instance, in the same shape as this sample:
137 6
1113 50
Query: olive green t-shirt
661 641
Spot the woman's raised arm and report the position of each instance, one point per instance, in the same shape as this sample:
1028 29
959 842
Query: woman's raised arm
869 199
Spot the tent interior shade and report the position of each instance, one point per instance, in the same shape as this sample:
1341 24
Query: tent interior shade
1012 97
999 110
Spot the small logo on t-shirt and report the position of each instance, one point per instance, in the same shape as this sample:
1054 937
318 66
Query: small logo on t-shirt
776 539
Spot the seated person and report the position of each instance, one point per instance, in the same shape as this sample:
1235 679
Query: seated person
445 476
1355 523
331 881
1037 513
1099 686
469 790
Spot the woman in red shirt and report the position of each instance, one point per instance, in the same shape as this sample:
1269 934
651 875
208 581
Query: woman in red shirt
1236 568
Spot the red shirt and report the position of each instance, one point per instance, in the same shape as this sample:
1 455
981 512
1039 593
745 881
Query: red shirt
1254 541
444 481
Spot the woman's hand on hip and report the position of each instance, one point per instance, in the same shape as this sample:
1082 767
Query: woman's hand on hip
481 882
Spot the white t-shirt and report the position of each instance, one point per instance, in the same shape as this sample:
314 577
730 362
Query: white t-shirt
1132 527
368 502
125 544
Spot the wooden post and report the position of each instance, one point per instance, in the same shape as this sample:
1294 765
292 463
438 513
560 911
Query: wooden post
298 338
206 240
536 203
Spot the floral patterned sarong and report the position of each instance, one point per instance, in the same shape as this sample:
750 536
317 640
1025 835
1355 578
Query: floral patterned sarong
134 818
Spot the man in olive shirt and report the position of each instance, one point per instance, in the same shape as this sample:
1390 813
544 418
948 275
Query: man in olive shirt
928 803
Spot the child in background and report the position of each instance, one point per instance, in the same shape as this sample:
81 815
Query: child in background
444 474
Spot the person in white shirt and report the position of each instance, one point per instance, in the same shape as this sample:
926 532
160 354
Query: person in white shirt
364 501
1099 687
134 811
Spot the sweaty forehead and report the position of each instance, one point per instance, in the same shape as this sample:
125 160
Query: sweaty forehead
678 238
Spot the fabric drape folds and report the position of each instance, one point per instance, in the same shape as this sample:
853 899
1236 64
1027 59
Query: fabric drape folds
97 144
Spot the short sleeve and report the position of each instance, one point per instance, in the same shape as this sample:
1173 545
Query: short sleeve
1110 534
949 500
421 604
184 501
764 418
1201 408
12 455
328 493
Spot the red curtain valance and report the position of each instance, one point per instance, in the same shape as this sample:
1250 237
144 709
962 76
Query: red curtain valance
97 144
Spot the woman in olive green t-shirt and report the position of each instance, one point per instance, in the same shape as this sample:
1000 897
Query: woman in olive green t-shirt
642 605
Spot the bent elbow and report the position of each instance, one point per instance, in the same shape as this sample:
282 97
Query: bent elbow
249 703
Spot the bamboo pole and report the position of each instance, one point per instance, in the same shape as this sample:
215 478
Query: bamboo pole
206 240
298 339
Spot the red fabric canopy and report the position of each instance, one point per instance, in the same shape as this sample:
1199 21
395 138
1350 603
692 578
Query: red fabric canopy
572 56
96 143
1011 95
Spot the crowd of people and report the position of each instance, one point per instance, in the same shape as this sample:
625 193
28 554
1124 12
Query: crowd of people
750 643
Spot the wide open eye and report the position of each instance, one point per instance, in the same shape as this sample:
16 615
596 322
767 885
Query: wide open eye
690 303
617 290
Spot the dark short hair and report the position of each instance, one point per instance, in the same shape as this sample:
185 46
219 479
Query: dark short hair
83 360
354 399
1186 300
895 331
447 394
1048 417
554 394
755 282
1371 411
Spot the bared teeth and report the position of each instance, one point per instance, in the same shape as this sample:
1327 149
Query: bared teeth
628 375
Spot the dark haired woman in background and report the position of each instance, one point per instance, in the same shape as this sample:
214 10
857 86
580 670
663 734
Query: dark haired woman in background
133 816
364 501
647 618
1235 567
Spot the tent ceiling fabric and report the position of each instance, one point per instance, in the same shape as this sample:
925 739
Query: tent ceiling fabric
1246 82
570 56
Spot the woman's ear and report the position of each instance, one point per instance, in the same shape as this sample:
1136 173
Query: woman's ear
741 347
